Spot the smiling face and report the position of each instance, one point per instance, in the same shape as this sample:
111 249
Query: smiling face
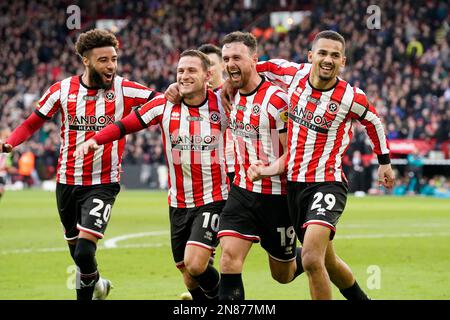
327 58
239 63
191 77
101 65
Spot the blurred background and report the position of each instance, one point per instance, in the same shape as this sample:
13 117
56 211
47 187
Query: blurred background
397 52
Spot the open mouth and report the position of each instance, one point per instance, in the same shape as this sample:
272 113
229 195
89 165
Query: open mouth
326 68
234 74
108 76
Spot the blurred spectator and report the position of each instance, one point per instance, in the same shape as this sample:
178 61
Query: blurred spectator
26 168
414 172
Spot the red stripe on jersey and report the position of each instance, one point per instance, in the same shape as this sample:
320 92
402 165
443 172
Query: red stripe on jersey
63 142
54 88
174 127
321 138
72 111
240 145
110 109
196 160
88 159
279 104
266 183
300 147
216 170
331 162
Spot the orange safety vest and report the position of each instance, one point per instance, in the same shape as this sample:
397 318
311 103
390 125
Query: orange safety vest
26 163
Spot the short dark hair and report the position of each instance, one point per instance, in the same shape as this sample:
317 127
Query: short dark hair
208 48
206 63
96 38
329 34
246 38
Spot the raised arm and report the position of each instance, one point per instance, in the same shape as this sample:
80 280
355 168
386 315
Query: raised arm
150 113
279 71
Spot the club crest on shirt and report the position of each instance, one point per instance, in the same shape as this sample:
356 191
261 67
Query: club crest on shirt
214 117
109 96
284 116
256 109
332 107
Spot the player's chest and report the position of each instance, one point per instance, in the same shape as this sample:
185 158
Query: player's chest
315 109
193 129
248 118
92 102
91 110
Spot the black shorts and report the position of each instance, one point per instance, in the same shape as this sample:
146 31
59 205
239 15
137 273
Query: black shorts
231 177
261 218
2 181
194 226
85 208
316 203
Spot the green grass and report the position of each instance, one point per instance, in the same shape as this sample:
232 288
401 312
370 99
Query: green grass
407 239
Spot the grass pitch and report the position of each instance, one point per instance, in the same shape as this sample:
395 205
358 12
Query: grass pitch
398 248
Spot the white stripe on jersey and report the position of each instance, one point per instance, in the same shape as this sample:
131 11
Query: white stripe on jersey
48 105
80 112
371 117
65 86
100 109
166 111
186 159
296 128
344 144
206 159
119 113
331 138
134 92
265 142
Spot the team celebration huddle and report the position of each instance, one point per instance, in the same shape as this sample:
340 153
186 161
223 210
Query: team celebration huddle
254 154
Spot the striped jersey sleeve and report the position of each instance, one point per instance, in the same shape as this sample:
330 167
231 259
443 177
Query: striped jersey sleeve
279 71
277 110
136 94
50 103
363 111
152 112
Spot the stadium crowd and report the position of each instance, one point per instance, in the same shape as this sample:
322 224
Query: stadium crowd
403 67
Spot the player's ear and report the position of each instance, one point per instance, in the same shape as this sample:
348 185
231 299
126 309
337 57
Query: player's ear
344 59
208 75
255 58
85 60
310 55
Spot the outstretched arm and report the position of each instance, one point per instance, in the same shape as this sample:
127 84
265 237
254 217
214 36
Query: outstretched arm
279 71
130 124
23 132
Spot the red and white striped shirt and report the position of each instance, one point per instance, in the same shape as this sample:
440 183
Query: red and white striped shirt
229 152
320 122
84 111
255 122
193 144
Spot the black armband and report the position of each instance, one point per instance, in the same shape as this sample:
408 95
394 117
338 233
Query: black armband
384 158
123 132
